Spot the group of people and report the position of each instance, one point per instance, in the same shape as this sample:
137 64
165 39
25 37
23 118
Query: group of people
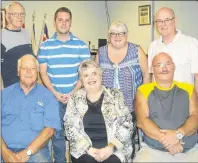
97 104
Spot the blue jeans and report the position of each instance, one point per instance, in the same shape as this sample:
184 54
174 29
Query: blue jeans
40 156
58 140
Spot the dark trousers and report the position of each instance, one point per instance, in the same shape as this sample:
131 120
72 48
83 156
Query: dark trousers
134 137
89 159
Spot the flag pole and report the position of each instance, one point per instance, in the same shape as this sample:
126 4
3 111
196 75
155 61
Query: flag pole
33 18
34 43
45 15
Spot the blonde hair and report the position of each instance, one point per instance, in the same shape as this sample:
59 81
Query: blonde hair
86 64
27 55
117 26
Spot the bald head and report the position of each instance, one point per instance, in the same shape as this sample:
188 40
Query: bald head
161 57
166 23
165 10
13 6
15 16
163 68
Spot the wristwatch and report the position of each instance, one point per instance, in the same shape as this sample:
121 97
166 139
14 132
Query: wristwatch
29 152
179 135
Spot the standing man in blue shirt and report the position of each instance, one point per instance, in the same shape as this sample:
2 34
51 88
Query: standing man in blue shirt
59 58
30 116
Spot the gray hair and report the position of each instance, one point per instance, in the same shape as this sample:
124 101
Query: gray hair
117 26
86 64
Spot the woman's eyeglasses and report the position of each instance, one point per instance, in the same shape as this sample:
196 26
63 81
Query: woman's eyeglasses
121 34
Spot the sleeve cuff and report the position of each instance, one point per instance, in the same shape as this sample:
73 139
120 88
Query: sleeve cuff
40 61
53 125
117 143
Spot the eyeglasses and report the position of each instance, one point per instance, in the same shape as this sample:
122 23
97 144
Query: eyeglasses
15 14
166 21
121 34
61 21
161 65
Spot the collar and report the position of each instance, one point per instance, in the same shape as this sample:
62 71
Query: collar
165 89
18 86
13 30
71 37
175 38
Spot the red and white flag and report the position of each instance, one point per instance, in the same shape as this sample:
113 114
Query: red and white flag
44 32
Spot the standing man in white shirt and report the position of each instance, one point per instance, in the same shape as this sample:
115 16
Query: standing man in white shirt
182 48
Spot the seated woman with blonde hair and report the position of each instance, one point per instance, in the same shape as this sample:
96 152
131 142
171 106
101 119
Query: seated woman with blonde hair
98 125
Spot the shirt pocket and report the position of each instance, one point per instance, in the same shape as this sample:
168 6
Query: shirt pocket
37 118
8 117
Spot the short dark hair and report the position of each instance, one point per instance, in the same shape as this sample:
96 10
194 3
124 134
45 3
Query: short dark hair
62 9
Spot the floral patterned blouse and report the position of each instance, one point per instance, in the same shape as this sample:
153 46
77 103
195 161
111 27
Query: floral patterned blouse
118 121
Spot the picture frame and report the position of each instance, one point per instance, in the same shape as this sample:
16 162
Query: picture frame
144 15
3 18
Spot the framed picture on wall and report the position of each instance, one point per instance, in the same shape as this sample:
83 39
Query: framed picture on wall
3 19
144 15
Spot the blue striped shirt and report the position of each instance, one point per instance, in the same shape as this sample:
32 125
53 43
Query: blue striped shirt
63 59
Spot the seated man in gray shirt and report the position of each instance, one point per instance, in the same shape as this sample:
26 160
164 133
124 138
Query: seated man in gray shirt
167 113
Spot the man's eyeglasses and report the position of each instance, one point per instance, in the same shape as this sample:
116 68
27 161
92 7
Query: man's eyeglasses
121 34
15 14
161 65
166 21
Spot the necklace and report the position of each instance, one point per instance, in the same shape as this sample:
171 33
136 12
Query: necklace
95 103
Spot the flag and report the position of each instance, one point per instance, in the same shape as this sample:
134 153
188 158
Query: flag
33 39
45 33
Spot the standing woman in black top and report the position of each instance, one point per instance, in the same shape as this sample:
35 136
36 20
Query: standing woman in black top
98 125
